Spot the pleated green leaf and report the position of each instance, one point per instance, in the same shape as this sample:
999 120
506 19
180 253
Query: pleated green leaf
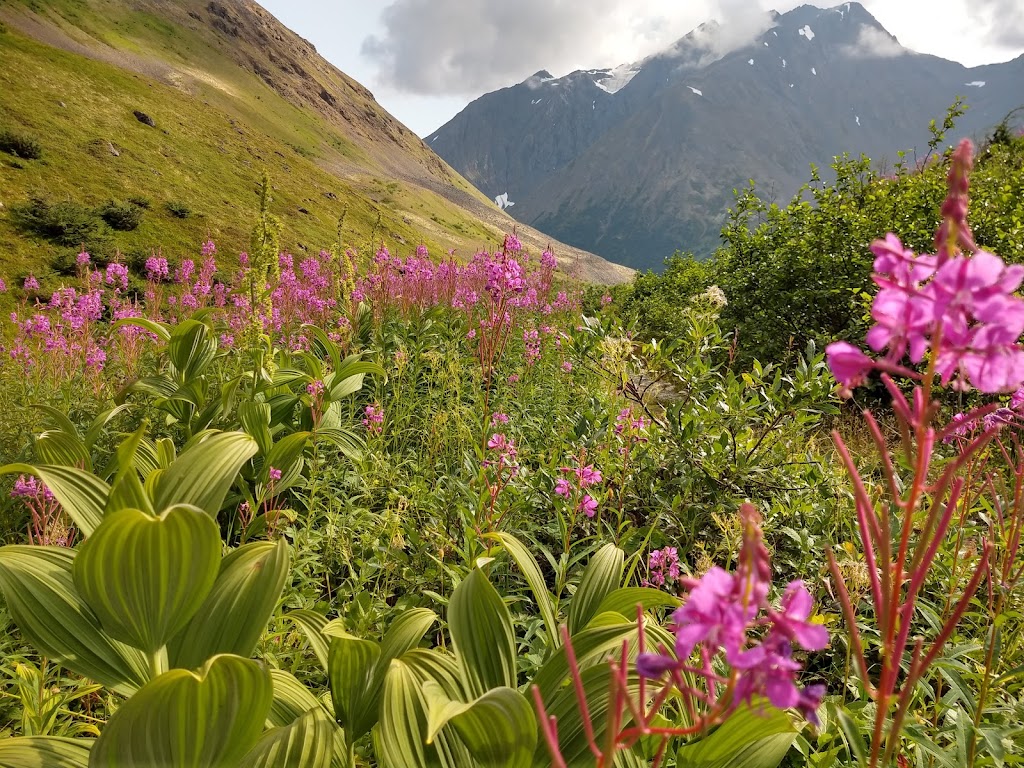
146 576
312 626
481 629
82 495
498 729
602 576
205 719
291 699
255 419
625 600
191 348
405 633
62 448
351 664
203 473
40 592
44 752
592 642
308 742
752 737
532 573
235 613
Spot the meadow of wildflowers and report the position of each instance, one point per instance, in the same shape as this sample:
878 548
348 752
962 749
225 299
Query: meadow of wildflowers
373 507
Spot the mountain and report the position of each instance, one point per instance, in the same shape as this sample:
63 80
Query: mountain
636 162
180 106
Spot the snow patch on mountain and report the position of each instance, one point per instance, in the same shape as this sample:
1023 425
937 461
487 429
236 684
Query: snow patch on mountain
807 32
502 201
975 84
698 91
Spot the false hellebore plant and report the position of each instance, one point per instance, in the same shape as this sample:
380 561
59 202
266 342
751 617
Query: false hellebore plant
956 312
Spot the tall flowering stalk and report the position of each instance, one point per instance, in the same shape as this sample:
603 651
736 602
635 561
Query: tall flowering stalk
731 648
955 311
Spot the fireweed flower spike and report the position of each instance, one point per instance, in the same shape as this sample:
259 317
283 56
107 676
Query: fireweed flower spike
957 310
731 648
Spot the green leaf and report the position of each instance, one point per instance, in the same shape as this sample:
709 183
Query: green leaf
498 729
312 625
255 419
403 720
306 743
750 738
44 752
291 699
82 495
203 473
146 576
350 670
592 642
532 573
625 600
345 440
183 719
235 613
40 592
191 348
602 576
63 449
286 451
358 667
161 330
482 634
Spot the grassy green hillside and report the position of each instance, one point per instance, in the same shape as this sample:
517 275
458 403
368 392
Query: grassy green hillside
72 74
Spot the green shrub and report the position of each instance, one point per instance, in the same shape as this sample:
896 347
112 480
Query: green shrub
178 209
65 223
20 145
121 216
141 201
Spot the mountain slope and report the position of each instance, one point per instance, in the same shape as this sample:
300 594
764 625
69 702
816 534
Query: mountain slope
231 93
636 171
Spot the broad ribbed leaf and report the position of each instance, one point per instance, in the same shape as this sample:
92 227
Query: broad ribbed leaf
191 348
590 643
403 720
322 344
202 474
532 573
57 417
63 449
286 451
44 752
100 423
255 419
625 600
182 719
433 665
161 330
347 441
405 633
312 625
498 729
350 670
291 699
756 737
481 628
146 576
306 743
601 577
82 495
235 613
40 592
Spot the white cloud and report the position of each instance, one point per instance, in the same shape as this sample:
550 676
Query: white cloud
874 43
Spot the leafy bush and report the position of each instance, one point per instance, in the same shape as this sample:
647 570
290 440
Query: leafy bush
140 201
121 216
178 209
65 223
20 145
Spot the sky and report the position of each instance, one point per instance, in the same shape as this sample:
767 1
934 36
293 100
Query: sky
424 60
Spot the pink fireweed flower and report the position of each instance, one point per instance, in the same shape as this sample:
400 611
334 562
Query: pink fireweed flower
31 284
3 286
959 303
567 366
274 474
719 618
588 505
662 567
83 259
562 488
315 388
374 419
499 418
